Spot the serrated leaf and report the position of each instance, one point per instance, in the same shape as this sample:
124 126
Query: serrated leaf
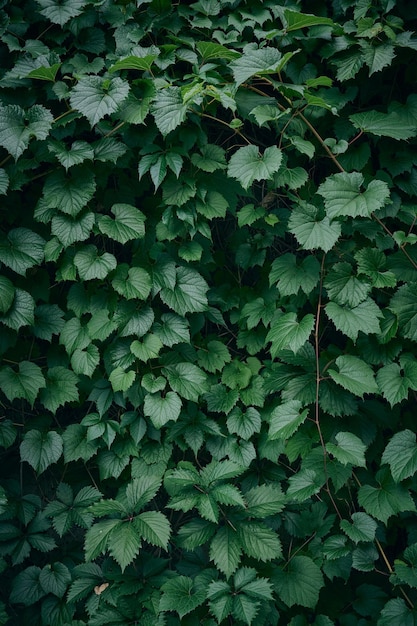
148 348
295 20
124 544
403 304
401 455
354 375
189 295
225 550
132 282
252 62
248 165
299 583
48 321
27 587
362 528
343 197
384 124
74 336
154 527
259 542
21 250
168 109
90 264
85 361
172 330
245 609
312 232
98 536
291 276
108 149
24 383
60 12
395 381
348 450
55 579
61 387
264 500
188 380
79 152
377 57
212 157
220 399
121 380
388 499
22 311
285 420
7 293
352 320
18 126
397 613
69 191
76 445
96 96
134 63
244 424
303 485
211 50
287 333
181 595
69 230
4 181
129 223
161 409
40 449
344 288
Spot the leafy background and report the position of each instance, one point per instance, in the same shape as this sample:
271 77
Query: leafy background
208 298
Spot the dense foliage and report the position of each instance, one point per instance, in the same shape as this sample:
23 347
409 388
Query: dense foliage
208 312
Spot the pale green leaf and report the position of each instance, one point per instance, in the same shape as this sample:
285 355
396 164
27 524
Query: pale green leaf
168 109
21 250
189 295
295 20
129 223
252 62
96 96
161 409
188 380
387 499
285 420
311 231
401 455
18 126
384 124
134 63
40 449
287 333
132 282
343 196
61 387
154 527
352 320
121 380
349 449
69 191
354 375
291 276
248 165
23 383
90 264
362 528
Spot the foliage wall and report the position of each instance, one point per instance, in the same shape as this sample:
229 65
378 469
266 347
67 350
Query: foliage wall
208 312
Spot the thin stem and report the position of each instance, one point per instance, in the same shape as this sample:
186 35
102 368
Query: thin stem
236 130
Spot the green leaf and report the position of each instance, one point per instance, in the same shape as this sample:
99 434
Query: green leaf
18 126
303 485
44 72
362 528
259 542
168 109
96 96
403 304
7 293
91 265
134 63
354 375
55 579
377 57
388 499
401 455
27 588
255 62
22 311
60 12
69 229
395 381
397 613
129 223
264 500
154 527
4 181
295 20
61 387
98 536
41 450
291 276
285 420
85 361
225 550
188 380
25 383
21 250
312 232
189 293
132 282
74 335
76 445
79 152
342 195
344 288
69 191
287 333
161 409
248 165
108 149
244 424
210 50
181 595
124 544
212 157
384 124
236 375
299 583
349 449
352 320
173 330
147 349
121 380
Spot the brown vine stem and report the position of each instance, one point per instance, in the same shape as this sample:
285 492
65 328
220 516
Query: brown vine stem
236 130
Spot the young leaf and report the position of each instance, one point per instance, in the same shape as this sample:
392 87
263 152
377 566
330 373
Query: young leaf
354 375
285 420
161 409
129 223
248 165
349 449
